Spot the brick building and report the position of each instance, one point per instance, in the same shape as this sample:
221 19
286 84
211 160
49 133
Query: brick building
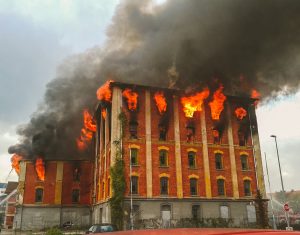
180 167
64 194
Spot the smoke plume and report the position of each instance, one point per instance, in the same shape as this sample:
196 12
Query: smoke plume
243 44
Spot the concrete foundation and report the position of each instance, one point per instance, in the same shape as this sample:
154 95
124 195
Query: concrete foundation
37 218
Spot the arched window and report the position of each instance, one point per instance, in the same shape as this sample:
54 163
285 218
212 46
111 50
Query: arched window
219 161
75 195
134 184
247 187
39 193
163 157
192 159
244 162
134 156
164 186
221 187
193 187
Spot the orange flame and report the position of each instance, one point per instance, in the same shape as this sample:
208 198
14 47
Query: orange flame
88 121
104 92
40 168
217 104
192 104
131 97
255 95
240 113
86 131
160 101
15 162
104 113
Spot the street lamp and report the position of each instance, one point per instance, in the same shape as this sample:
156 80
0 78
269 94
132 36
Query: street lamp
283 191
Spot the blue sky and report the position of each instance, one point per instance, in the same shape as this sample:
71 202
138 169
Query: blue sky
37 36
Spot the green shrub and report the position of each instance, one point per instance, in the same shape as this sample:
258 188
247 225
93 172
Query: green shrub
54 231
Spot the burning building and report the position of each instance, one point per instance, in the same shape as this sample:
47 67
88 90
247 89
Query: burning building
185 156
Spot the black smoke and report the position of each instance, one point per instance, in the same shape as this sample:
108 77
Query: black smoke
243 44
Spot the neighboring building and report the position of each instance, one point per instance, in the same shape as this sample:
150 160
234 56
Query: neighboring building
64 195
10 204
181 167
2 205
2 188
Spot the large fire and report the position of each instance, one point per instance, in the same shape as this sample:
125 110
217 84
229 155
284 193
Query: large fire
86 131
160 101
89 123
104 92
240 113
194 103
40 168
131 97
217 104
15 162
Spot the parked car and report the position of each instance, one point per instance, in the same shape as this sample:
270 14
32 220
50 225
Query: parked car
101 228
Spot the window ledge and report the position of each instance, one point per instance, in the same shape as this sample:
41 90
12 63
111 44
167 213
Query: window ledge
246 170
135 165
193 168
220 169
163 166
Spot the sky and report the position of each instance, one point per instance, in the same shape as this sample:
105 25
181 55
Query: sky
37 36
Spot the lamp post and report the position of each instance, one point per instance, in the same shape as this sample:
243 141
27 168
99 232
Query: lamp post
274 222
283 191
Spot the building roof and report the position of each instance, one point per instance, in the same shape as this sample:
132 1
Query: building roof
11 186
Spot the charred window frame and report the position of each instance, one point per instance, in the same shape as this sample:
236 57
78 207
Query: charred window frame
163 158
76 174
39 194
242 138
219 161
134 184
244 162
164 185
193 187
133 129
221 187
192 159
162 132
75 195
247 188
134 156
216 136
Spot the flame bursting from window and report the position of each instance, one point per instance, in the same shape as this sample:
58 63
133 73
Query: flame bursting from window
104 113
255 95
131 98
217 104
15 162
104 92
86 131
40 168
193 103
240 113
160 101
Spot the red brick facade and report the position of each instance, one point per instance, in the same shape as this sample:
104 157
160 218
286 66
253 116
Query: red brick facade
84 185
195 145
